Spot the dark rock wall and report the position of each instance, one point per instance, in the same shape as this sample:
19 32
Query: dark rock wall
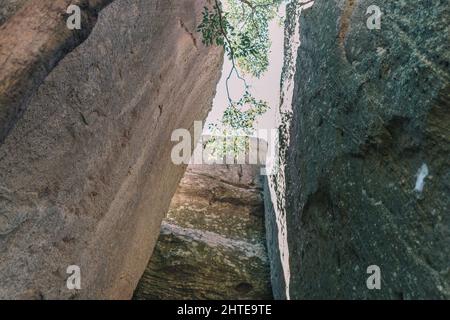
212 243
370 114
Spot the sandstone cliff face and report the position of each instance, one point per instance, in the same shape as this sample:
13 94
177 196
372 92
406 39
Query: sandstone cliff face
369 123
80 171
212 243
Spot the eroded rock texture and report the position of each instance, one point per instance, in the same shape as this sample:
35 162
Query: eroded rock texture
212 243
33 39
85 172
370 123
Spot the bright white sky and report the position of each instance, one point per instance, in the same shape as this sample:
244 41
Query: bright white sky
266 88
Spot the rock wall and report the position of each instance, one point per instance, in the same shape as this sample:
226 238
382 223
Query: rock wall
81 168
365 166
33 39
212 243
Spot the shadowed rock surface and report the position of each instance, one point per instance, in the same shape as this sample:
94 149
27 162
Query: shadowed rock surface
369 123
85 174
212 244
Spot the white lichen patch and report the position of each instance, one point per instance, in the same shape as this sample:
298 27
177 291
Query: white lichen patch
421 175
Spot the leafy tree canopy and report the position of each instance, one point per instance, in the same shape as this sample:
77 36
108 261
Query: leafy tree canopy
242 28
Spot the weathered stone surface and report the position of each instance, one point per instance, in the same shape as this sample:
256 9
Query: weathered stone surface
8 8
32 41
212 244
85 174
369 109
